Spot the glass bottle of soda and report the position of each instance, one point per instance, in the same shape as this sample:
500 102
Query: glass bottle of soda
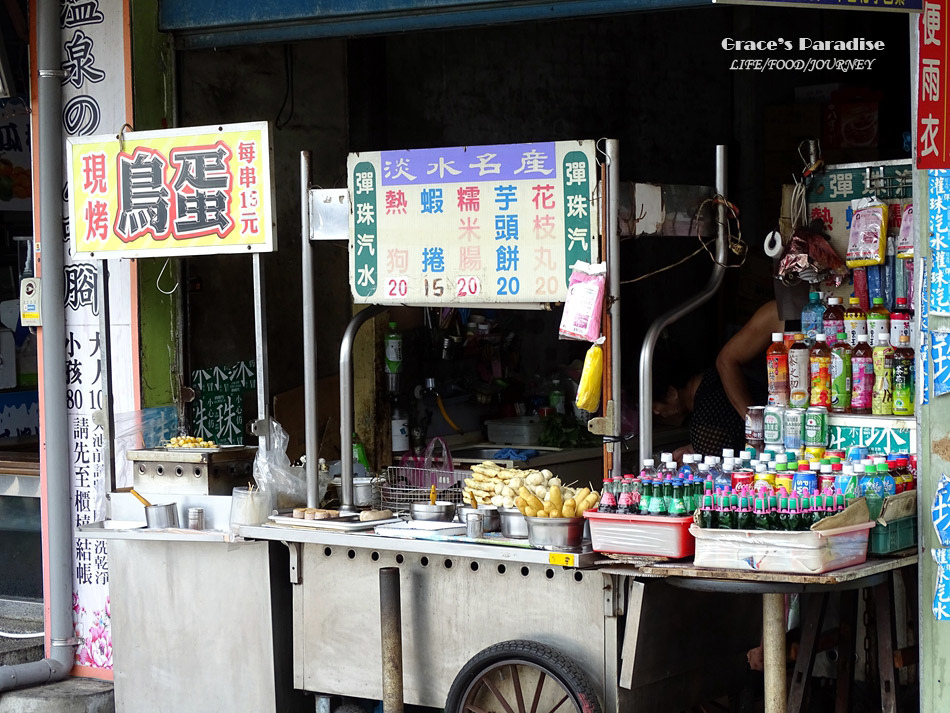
608 498
904 378
776 358
677 502
657 502
855 321
879 320
862 376
761 515
799 376
819 366
625 505
833 320
708 518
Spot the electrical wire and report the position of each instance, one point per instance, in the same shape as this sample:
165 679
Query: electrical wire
289 91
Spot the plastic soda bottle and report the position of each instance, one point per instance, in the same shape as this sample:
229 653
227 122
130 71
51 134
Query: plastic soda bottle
841 375
879 320
855 321
900 322
819 365
862 376
798 373
904 378
882 400
812 315
833 320
776 358
648 471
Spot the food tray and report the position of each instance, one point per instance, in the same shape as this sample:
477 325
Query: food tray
893 537
347 524
809 552
641 534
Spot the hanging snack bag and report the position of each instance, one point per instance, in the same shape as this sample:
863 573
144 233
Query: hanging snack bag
905 241
867 241
584 302
588 390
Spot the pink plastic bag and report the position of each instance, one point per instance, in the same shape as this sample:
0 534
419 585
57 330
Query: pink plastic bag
584 302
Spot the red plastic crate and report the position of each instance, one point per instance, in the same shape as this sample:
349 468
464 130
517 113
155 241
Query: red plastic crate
641 534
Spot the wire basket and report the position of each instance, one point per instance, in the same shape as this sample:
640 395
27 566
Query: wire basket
404 485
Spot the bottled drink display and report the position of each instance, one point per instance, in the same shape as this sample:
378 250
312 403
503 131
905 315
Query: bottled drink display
879 320
392 363
833 320
799 373
862 376
904 378
812 315
855 321
777 363
841 375
883 359
820 373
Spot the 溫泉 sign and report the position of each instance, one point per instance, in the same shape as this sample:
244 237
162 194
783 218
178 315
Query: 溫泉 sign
188 191
471 224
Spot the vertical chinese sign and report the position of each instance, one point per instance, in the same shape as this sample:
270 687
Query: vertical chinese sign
932 90
95 92
476 224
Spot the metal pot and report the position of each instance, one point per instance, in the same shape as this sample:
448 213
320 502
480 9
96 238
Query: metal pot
441 512
491 521
513 523
159 517
551 533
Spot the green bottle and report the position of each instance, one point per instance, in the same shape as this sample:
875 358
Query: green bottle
657 503
783 514
359 453
794 515
708 518
761 517
773 516
667 493
746 517
725 513
677 504
806 519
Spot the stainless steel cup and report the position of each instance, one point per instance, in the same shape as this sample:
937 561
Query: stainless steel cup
196 518
158 517
474 525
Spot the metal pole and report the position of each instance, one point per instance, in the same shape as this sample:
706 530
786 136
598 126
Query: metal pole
346 403
666 319
390 624
260 353
309 334
773 649
54 449
613 274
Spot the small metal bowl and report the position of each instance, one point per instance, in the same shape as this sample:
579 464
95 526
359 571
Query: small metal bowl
442 511
513 523
491 521
552 533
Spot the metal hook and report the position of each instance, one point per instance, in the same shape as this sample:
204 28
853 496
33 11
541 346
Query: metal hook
121 136
159 279
603 151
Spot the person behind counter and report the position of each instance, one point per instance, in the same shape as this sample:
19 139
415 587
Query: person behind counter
715 401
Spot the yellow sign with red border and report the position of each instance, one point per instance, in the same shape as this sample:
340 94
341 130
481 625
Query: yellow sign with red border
189 191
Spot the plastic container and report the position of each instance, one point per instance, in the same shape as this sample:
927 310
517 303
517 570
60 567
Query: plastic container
810 552
893 537
519 430
641 534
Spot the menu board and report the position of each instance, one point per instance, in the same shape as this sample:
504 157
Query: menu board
471 224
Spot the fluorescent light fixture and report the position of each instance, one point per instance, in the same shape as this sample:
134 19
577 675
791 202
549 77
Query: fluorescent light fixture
6 76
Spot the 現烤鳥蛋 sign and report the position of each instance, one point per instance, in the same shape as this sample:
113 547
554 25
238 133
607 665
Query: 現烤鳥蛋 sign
188 191
471 224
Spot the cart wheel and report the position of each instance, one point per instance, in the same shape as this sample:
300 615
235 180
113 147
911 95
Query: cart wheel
521 677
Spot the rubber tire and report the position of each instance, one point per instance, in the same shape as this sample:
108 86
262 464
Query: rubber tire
556 664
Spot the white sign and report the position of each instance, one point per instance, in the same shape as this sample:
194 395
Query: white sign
471 224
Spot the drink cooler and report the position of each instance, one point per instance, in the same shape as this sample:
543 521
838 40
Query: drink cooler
809 552
640 534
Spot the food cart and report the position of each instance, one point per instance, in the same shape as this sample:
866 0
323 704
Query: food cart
484 621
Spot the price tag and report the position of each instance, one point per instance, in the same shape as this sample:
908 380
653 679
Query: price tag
561 558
